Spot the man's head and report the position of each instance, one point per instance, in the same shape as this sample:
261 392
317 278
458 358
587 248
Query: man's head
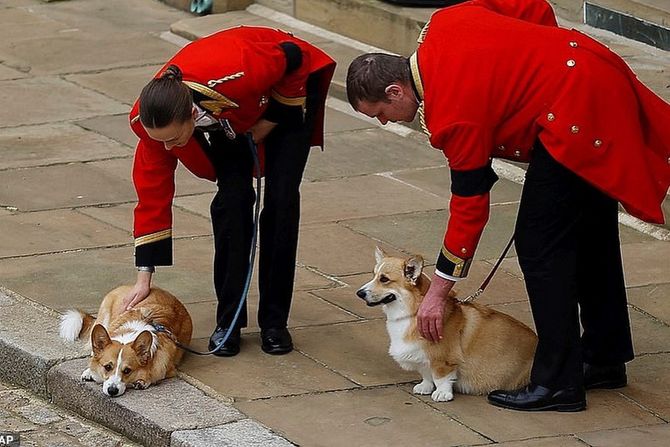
380 86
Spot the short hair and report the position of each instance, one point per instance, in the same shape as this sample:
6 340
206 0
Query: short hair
165 99
369 75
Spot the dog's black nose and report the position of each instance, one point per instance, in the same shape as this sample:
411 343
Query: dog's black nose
360 293
112 390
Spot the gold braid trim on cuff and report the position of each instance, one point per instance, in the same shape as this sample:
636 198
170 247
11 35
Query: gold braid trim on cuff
153 237
298 101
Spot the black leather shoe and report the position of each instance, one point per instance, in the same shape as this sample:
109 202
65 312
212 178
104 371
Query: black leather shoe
276 341
539 398
231 347
608 377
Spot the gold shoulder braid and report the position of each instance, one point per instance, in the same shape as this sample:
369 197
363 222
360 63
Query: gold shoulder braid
424 31
215 101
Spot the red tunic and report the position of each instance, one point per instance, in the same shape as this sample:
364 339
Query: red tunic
237 70
492 85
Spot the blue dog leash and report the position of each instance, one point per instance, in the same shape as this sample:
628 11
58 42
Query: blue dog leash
243 298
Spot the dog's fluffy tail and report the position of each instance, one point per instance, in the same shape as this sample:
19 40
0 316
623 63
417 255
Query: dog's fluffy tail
75 324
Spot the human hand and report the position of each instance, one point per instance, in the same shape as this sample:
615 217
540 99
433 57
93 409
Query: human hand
139 291
430 317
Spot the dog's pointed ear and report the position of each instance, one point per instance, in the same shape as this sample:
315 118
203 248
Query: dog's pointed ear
413 269
142 346
379 254
99 338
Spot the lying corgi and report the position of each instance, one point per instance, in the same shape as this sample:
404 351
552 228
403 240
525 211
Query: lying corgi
127 349
481 350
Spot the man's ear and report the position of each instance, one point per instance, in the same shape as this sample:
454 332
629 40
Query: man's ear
413 269
393 91
99 338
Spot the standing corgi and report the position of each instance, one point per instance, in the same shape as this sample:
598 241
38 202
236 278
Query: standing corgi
126 348
481 350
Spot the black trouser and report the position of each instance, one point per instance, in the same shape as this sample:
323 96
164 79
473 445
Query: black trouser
286 151
567 240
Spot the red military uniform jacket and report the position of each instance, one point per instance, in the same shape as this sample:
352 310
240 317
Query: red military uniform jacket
234 75
496 75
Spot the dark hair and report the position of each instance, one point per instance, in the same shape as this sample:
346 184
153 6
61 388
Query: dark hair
369 75
165 99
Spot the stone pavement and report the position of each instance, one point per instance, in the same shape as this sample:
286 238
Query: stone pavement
74 68
40 423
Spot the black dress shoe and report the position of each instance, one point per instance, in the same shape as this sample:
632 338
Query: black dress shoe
539 398
276 341
608 377
231 347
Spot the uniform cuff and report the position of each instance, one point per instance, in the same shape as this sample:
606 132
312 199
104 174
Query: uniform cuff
451 265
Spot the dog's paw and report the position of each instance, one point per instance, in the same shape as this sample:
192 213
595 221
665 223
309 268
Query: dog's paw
442 395
87 375
140 385
424 387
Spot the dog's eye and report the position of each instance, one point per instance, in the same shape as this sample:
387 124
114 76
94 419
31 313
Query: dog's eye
108 367
126 370
383 279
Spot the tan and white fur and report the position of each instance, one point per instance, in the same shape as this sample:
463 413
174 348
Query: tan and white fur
481 349
126 348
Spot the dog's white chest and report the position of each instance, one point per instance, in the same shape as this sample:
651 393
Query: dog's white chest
408 354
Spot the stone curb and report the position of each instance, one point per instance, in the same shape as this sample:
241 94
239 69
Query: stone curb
172 413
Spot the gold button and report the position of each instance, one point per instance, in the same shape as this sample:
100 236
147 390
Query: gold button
573 44
463 250
551 117
574 129
669 160
501 147
598 143
571 63
517 153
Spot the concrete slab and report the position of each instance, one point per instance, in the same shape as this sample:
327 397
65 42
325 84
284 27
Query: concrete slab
650 336
649 383
48 144
652 300
606 410
648 436
563 441
336 121
307 309
147 416
198 27
350 154
45 232
343 55
104 18
25 23
252 374
122 84
121 216
340 199
58 100
357 351
79 50
371 417
65 186
26 355
115 127
423 232
641 263
245 432
7 73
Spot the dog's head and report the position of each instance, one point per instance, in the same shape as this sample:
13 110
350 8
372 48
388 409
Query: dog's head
395 279
119 364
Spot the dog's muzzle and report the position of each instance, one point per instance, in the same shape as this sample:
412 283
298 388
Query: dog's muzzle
362 294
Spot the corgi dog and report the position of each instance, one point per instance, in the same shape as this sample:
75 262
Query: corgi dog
481 349
127 349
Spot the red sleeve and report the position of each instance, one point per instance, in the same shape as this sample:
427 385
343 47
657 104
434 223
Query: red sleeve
153 177
467 148
534 11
